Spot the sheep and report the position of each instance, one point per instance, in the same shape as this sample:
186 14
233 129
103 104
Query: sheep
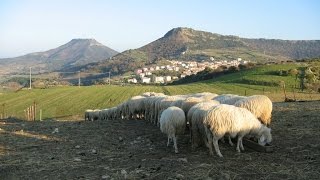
228 119
228 98
92 115
135 107
196 116
88 115
172 123
259 105
189 102
165 103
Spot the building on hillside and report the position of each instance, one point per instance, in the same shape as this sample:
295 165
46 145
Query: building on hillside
138 71
146 80
158 79
133 80
142 75
167 78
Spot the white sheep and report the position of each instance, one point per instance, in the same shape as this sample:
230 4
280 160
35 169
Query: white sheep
196 115
228 119
259 105
92 115
88 115
172 123
228 98
189 102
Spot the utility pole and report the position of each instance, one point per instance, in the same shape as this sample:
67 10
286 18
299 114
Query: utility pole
109 77
79 82
30 78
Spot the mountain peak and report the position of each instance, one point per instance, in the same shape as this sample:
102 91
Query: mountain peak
178 31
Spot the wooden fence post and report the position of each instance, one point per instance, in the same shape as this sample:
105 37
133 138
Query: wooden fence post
294 95
284 91
34 110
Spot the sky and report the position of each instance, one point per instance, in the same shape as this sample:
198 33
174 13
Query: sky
28 26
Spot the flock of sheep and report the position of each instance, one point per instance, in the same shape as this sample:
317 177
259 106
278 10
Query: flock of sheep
209 117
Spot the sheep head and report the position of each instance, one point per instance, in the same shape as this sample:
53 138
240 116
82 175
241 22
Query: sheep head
265 135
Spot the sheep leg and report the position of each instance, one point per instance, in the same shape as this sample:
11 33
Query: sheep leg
175 144
216 147
168 141
239 143
208 139
230 141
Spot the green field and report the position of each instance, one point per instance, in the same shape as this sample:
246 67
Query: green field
70 102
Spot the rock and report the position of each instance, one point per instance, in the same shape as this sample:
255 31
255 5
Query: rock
123 172
180 176
139 171
183 160
138 138
94 151
77 146
105 177
120 139
56 130
77 159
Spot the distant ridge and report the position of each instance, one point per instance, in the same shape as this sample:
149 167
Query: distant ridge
74 53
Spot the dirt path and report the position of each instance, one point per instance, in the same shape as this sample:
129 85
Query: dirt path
137 150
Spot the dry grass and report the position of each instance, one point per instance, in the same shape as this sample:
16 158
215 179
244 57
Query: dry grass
137 150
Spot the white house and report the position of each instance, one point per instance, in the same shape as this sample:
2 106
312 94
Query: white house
142 75
159 79
167 78
133 80
145 80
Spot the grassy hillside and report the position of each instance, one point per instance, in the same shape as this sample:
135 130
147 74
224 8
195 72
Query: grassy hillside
70 102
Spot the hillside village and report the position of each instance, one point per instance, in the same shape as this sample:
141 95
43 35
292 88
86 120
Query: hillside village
146 75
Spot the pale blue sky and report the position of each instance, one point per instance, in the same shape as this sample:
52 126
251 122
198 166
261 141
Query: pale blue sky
37 25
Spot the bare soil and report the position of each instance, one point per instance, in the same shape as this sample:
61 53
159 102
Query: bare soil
137 150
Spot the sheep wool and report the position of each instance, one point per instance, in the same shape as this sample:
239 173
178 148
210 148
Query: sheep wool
234 121
172 123
259 105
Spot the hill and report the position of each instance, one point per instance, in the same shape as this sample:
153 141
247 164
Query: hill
189 44
70 102
74 53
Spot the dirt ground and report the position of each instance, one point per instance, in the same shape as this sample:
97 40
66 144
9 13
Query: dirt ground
137 150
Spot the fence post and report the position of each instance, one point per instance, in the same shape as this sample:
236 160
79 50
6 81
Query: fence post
294 94
40 114
34 110
284 91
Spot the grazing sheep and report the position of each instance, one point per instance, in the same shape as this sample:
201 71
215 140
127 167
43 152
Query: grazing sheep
259 105
234 121
165 103
228 98
189 102
196 115
88 115
172 123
